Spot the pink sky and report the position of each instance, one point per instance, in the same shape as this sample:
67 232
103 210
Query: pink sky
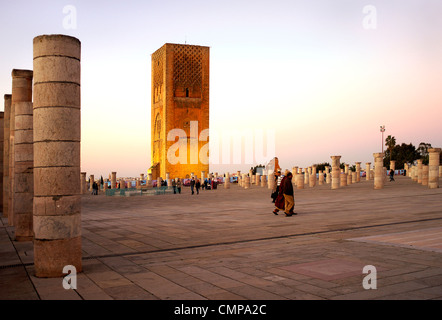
310 70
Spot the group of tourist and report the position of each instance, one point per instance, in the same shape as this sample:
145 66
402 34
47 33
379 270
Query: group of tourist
283 194
176 185
208 184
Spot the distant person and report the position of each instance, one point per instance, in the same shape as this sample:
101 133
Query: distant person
197 186
192 184
405 172
178 185
94 188
174 186
391 175
279 200
275 190
289 196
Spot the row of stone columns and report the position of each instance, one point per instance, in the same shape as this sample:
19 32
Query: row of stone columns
427 175
41 155
23 157
247 180
336 178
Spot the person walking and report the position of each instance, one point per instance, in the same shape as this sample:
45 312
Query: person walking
174 186
391 175
178 185
289 200
192 185
94 188
279 200
275 190
197 186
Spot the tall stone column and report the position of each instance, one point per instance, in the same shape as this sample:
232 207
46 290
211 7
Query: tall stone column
257 179
312 181
343 178
367 171
419 171
5 189
414 173
321 178
349 177
57 127
294 173
346 168
227 181
23 172
378 170
149 180
203 176
263 180
336 170
21 93
306 176
425 171
83 182
354 177
358 171
271 181
247 182
393 165
113 180
440 171
91 182
328 175
300 180
434 168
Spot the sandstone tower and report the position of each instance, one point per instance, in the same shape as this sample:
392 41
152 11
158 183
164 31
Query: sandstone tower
180 100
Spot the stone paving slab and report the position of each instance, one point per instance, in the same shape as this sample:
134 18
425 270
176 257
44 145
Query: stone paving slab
425 239
227 245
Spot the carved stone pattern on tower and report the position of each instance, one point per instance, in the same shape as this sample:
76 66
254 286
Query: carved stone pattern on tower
158 58
188 66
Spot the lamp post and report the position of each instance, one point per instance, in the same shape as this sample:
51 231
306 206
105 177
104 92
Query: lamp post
382 131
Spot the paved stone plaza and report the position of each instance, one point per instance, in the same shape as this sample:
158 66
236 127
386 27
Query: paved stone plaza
226 244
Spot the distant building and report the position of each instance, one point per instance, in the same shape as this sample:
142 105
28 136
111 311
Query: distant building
180 98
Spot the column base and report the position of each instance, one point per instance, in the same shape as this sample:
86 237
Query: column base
51 256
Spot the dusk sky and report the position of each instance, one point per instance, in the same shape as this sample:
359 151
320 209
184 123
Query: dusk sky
322 75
